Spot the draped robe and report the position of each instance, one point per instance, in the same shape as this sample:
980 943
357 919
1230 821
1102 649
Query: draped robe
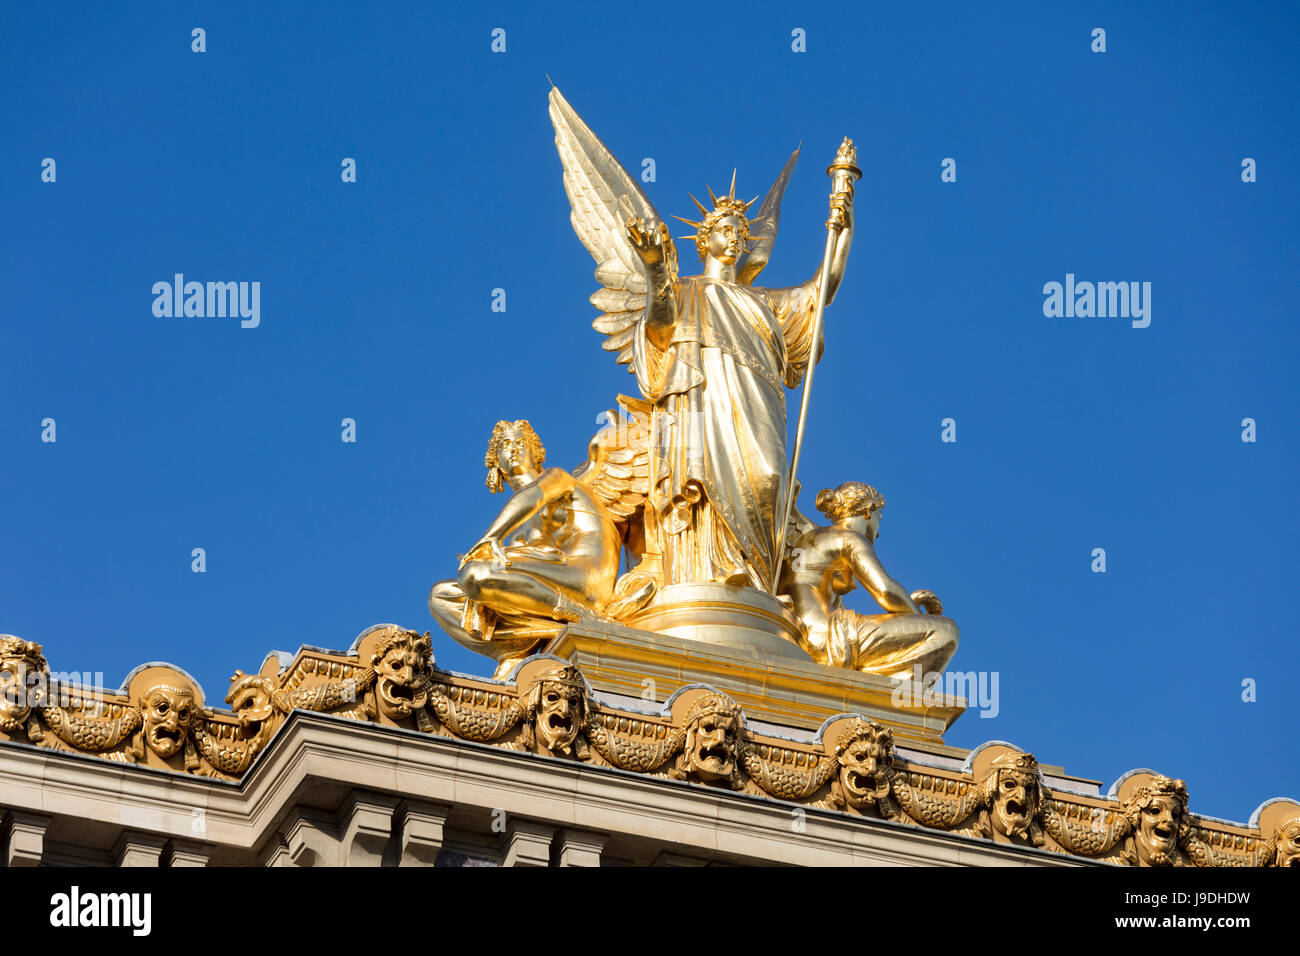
719 391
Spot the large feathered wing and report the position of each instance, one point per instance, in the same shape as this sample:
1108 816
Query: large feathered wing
762 228
603 196
617 469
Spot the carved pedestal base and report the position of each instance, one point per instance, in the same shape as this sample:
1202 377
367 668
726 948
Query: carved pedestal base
788 689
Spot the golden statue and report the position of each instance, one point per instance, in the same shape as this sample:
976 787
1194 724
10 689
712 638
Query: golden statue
827 563
552 554
711 352
694 479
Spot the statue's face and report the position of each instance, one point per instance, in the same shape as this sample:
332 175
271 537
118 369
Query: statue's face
1013 802
1157 836
713 746
15 703
514 455
1288 845
726 240
860 766
399 679
167 716
559 716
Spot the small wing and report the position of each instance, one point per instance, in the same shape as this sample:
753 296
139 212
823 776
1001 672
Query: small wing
603 196
617 469
762 228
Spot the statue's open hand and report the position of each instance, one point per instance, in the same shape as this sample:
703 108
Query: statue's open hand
650 242
927 601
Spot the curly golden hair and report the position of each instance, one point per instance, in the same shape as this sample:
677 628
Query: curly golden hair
496 481
849 499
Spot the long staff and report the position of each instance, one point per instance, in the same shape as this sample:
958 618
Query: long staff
843 162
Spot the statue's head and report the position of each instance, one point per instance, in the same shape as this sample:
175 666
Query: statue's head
169 712
514 451
1013 792
865 755
854 503
1158 813
724 230
20 662
557 705
713 737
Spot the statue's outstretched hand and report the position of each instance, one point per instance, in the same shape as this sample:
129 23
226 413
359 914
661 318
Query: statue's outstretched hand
650 243
927 601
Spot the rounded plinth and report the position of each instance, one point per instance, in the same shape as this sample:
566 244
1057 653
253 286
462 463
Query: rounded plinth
740 618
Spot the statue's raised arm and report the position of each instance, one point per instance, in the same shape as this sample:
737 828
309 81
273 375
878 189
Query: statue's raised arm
636 260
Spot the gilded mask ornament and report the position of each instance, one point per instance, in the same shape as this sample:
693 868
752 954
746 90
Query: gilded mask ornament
557 709
250 698
1287 840
713 736
401 662
168 714
866 758
1157 813
21 664
1013 791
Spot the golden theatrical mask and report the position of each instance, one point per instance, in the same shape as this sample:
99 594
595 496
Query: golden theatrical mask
1157 814
712 353
865 758
555 712
1015 796
168 713
827 563
552 554
402 662
714 740
23 671
1285 844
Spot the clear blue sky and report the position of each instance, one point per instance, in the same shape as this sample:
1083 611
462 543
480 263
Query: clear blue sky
1073 434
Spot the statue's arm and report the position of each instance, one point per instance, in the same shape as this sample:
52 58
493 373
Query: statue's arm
889 594
654 247
841 212
553 483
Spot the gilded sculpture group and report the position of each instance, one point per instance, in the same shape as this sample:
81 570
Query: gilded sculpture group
691 482
700 736
692 478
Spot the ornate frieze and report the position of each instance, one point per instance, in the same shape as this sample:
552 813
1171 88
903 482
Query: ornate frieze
160 718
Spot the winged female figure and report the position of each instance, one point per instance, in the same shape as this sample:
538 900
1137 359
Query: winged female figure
712 354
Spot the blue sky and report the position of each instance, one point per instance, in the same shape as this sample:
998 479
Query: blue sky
1073 434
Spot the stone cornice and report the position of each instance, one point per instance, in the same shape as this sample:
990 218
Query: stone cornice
153 757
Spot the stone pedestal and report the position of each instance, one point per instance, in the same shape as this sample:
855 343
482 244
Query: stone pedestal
769 676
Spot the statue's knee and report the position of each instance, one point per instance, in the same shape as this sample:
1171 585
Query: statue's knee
474 577
444 592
